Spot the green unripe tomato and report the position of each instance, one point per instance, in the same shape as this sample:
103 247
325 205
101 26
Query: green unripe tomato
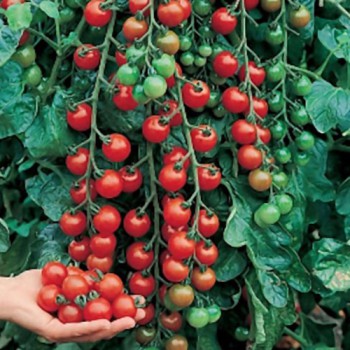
301 158
66 15
205 50
200 61
284 203
214 313
185 43
276 102
136 54
32 75
302 86
170 305
242 334
25 56
197 317
280 180
155 86
128 74
216 49
215 79
283 155
305 141
75 4
268 213
187 58
219 111
207 32
275 73
164 65
299 116
198 110
191 69
201 7
94 35
138 93
274 35
214 99
279 130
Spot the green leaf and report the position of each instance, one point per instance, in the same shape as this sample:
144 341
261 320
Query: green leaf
17 111
207 338
8 42
50 8
19 16
230 264
4 237
22 228
49 135
226 295
342 202
328 106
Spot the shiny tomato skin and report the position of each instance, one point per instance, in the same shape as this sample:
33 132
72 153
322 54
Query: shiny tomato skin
264 134
176 154
155 130
70 313
251 4
181 295
186 7
243 132
208 223
167 231
132 179
110 184
260 107
135 224
204 138
5 4
24 37
172 321
167 197
120 58
47 297
223 22
124 306
176 214
110 286
134 29
168 108
79 250
73 224
234 100
163 256
170 14
54 272
225 64
96 16
171 178
80 118
260 180
139 5
73 270
175 270
78 193
103 264
142 285
209 177
256 74
97 309
203 281
195 94
73 286
150 313
117 149
91 277
181 246
207 255
176 342
137 257
249 157
87 57
124 99
107 220
103 244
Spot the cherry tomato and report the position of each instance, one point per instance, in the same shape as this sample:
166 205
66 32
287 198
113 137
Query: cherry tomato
107 220
197 317
214 313
74 286
87 56
223 22
78 191
155 129
164 255
284 203
181 246
134 29
171 81
103 244
73 270
168 42
195 94
279 130
70 313
283 155
299 116
166 198
97 309
168 109
139 5
176 342
176 154
260 107
53 272
110 286
167 231
132 179
176 213
207 254
186 7
274 34
242 334
175 270
5 4
80 118
170 14
24 37
234 100
203 281
204 138
243 132
137 257
202 7
124 306
91 277
162 293
150 313
251 4
103 264
280 180
95 15
305 141
208 223
268 214
270 5
144 335
136 224
225 64
124 99
172 321
140 284
117 149
120 57
264 134
209 177
302 85
172 177
181 295
79 250
73 224
249 157
47 297
25 56
110 184
299 17
275 72
260 180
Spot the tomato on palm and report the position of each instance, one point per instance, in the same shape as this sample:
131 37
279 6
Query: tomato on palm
155 129
97 309
103 244
74 286
256 74
132 179
204 138
117 149
78 191
80 118
176 154
172 177
176 213
103 264
175 270
181 246
110 286
150 313
207 254
234 100
168 109
136 224
225 64
195 94
87 57
203 281
223 22
249 157
70 313
110 184
172 321
209 177
124 99
208 223
137 257
47 297
79 250
107 220
170 14
243 132
95 15
53 272
134 29
73 224
124 306
140 284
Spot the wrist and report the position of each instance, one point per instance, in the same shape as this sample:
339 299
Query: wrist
7 287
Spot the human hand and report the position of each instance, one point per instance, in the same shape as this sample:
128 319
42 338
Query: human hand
19 296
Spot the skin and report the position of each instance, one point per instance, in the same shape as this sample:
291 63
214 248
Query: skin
20 293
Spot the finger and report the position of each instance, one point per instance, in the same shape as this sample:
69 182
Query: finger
140 314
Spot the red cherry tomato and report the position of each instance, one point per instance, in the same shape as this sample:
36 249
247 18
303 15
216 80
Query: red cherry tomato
98 309
137 257
124 99
134 29
195 94
73 270
256 74
204 138
5 4
251 4
74 286
176 154
175 270
206 254
110 184
77 163
103 264
80 118
170 14
223 22
234 100
186 7
103 244
249 157
132 179
164 255
260 107
172 321
155 129
70 313
142 285
243 132
209 177
172 177
90 277
95 15
136 224
203 281
172 80
78 191
87 56
139 5
79 250
176 213
47 297
124 306
24 37
150 313
225 64
107 220
181 246
73 224
264 134
117 149
110 286
167 231
168 109
208 223
54 272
